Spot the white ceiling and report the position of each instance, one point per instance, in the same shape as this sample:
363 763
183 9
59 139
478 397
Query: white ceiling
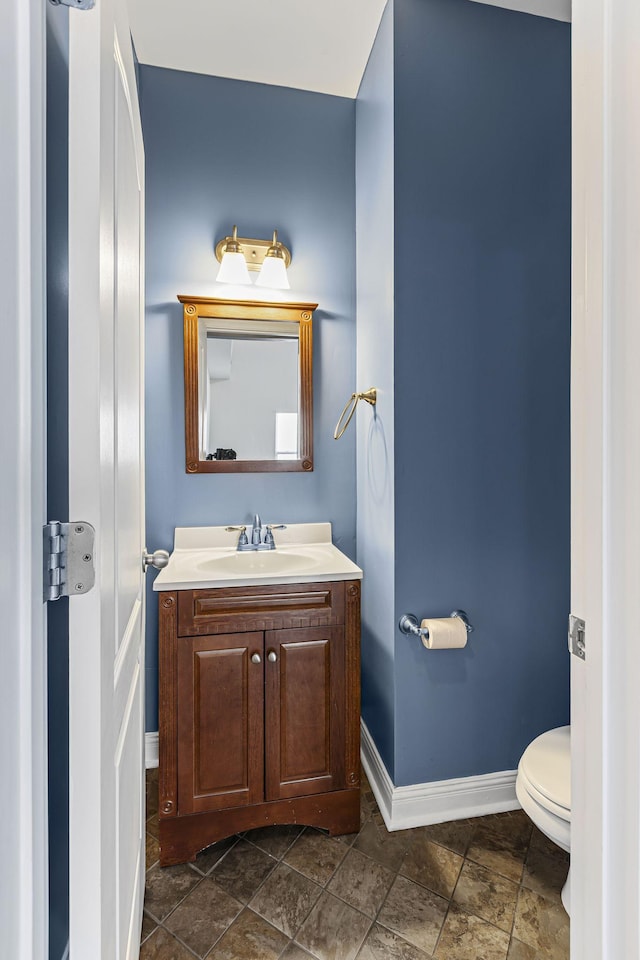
320 45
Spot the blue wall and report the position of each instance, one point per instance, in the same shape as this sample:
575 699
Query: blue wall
376 506
482 350
220 152
58 467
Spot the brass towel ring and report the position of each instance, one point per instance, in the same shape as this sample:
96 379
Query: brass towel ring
370 395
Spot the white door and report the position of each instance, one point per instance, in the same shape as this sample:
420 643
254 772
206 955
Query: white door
605 807
23 670
106 227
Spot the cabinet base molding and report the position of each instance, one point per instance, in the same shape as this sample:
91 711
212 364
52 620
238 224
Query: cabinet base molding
182 838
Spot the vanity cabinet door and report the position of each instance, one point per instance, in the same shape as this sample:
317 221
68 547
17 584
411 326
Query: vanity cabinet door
220 721
304 711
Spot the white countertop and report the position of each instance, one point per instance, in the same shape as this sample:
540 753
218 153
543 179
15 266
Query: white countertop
206 557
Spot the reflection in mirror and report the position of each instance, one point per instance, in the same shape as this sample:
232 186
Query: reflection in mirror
250 387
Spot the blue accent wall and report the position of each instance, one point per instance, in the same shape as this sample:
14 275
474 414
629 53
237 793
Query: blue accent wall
482 362
220 152
375 335
57 150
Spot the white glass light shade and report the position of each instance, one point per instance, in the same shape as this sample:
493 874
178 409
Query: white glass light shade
273 273
233 269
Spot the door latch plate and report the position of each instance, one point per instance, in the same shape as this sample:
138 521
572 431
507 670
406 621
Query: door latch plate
577 628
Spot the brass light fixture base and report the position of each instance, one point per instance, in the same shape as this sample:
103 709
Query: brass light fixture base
254 251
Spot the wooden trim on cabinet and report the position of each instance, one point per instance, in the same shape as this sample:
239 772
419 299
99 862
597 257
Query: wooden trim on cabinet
168 704
182 838
269 607
352 673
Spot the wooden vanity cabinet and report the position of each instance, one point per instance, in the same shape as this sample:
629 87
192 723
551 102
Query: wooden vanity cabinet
259 711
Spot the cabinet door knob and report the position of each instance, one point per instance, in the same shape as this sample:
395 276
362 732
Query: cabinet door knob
272 656
256 658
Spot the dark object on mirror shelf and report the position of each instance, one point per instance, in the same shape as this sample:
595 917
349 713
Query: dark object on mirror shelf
222 454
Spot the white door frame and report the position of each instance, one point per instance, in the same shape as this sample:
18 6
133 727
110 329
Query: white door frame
605 838
23 826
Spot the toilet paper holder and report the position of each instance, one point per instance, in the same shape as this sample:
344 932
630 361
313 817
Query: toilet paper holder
409 624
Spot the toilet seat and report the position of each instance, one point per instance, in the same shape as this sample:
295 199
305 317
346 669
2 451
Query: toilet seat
543 784
545 767
543 788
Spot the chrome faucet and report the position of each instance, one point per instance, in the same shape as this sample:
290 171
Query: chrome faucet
256 533
257 542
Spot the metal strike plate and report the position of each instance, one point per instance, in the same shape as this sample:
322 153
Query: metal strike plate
577 629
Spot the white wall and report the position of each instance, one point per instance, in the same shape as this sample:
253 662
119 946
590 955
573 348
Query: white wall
375 368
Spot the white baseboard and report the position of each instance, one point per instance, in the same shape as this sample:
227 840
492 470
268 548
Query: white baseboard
423 803
151 750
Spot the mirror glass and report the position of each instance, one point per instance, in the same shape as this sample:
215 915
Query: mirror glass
249 389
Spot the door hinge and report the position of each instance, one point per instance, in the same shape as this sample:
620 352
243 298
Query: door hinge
68 567
78 4
577 630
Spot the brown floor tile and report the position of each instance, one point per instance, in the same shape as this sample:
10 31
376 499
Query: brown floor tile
249 938
152 851
415 913
203 917
382 944
333 930
542 924
454 835
242 870
361 882
546 867
207 859
274 840
151 798
521 951
166 887
468 938
487 895
294 952
315 855
285 899
499 849
152 825
431 865
367 805
148 926
387 848
162 946
514 825
348 839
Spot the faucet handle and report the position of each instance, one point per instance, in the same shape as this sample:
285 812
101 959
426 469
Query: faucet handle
242 539
268 539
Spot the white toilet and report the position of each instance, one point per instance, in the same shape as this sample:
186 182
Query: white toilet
543 788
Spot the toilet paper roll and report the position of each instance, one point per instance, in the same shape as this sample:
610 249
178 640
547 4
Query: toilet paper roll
449 633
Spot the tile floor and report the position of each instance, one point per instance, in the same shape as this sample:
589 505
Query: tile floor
482 889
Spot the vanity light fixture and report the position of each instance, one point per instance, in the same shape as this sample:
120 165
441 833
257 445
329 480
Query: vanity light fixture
233 266
269 258
274 269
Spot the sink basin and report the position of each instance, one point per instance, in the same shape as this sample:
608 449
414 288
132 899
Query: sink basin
257 563
205 557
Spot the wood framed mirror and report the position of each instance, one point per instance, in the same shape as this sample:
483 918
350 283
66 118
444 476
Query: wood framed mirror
248 385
